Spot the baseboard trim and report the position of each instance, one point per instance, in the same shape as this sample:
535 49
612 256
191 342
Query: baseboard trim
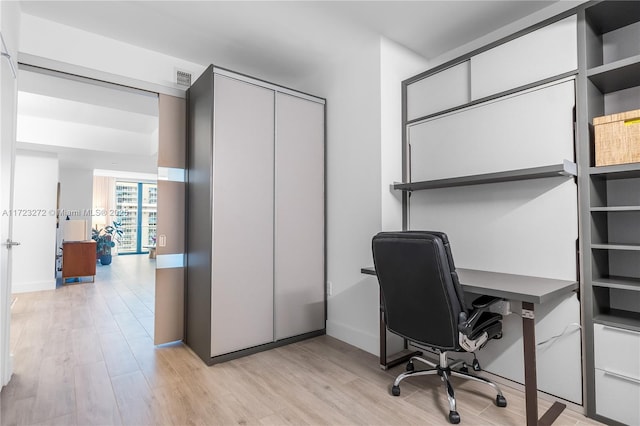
253 350
359 338
33 286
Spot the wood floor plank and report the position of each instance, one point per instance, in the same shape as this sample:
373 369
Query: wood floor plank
55 396
68 420
177 406
117 354
95 401
156 369
16 412
136 402
86 345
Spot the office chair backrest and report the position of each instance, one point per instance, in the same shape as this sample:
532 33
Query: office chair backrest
422 297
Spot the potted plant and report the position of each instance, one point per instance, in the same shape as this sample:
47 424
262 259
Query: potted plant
106 238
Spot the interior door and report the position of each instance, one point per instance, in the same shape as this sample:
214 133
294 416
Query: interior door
170 241
8 101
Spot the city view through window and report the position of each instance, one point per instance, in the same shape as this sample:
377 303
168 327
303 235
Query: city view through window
136 204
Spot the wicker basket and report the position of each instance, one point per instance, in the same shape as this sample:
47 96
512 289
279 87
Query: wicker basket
617 138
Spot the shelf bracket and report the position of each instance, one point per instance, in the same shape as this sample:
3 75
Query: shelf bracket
569 168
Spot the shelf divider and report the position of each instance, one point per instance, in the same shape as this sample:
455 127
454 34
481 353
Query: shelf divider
617 75
566 168
619 318
620 283
617 171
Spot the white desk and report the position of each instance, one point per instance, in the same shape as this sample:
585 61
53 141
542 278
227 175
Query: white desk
526 289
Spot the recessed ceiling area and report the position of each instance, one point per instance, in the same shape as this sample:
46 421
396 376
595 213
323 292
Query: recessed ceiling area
89 126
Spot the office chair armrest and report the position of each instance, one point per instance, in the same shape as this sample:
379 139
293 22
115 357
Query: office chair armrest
480 305
483 302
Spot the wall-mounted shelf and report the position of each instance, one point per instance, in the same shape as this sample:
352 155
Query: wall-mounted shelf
616 209
621 283
619 171
617 75
619 318
632 247
567 169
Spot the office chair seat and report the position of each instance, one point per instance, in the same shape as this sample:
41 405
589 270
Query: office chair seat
423 302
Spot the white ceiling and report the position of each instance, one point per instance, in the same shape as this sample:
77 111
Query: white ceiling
282 40
290 39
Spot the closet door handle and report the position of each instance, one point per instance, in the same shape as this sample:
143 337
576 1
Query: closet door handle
10 243
621 377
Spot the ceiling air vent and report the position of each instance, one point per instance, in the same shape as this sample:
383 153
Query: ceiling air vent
183 78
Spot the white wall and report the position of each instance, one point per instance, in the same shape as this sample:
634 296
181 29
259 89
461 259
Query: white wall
76 195
9 26
397 63
363 157
53 41
34 224
353 194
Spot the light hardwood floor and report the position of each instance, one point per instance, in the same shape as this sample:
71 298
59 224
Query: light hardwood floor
84 355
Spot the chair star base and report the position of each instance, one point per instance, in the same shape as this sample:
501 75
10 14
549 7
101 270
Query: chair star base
445 371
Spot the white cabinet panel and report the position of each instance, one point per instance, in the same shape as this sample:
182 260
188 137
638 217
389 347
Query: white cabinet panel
299 222
242 256
617 397
528 129
546 52
438 92
617 350
504 227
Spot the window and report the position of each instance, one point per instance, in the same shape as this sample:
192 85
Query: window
136 208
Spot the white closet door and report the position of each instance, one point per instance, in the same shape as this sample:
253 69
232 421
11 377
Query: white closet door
242 256
299 232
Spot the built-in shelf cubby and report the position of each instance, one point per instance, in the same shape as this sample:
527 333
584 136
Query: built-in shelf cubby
615 187
610 75
616 307
613 57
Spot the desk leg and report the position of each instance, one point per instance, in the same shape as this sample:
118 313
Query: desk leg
530 379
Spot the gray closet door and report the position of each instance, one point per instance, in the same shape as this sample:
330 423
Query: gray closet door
299 224
242 256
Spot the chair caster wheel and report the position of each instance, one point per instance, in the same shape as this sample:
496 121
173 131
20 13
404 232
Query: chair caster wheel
395 390
464 369
501 401
410 366
454 417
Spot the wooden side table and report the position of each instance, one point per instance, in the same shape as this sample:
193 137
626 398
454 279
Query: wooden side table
79 259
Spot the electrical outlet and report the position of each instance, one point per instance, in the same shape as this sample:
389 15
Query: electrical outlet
162 240
329 288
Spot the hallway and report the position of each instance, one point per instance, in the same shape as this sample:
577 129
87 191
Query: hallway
78 335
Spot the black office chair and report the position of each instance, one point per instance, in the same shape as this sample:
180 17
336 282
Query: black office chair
424 303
